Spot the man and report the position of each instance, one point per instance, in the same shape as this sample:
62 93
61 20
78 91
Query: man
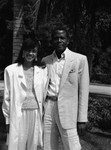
67 95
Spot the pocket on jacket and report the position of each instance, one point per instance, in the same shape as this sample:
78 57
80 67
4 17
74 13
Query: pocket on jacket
72 77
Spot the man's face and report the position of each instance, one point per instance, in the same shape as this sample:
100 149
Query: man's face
60 41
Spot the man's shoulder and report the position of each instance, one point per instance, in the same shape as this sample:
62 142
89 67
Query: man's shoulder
47 59
76 54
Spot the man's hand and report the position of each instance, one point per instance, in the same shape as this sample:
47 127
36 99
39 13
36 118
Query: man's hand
81 128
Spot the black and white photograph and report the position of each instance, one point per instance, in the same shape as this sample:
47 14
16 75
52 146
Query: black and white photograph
55 74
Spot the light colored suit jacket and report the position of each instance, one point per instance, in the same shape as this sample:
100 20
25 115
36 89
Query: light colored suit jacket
74 89
15 89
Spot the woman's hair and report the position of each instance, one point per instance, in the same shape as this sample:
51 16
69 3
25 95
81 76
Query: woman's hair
28 43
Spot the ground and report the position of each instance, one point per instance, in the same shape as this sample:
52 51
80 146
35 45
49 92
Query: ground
95 139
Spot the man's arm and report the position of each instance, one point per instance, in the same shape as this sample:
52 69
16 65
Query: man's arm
83 96
83 89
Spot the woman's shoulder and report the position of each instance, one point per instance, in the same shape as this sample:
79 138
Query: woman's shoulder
12 67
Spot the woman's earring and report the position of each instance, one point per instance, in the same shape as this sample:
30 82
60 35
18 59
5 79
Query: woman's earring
36 59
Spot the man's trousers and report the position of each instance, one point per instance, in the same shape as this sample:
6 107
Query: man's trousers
53 128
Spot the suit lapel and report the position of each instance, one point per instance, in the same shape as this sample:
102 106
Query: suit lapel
37 79
36 72
47 83
69 60
21 76
48 62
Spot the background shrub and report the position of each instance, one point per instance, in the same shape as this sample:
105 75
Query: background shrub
99 112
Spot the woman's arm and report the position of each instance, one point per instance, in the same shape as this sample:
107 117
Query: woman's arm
6 100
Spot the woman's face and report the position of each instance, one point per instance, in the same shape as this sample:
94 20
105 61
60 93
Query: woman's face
30 54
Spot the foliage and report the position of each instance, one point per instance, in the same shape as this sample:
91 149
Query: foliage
5 35
101 71
100 112
43 32
89 23
104 20
30 11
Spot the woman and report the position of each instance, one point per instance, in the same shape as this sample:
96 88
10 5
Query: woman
24 91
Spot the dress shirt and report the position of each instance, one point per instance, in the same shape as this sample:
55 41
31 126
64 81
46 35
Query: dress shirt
56 74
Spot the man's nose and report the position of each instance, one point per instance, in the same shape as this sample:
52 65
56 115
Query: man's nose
59 39
31 53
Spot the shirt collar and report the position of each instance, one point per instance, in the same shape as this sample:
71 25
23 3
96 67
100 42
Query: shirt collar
63 55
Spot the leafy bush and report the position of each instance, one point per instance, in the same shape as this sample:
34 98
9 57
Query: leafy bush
100 111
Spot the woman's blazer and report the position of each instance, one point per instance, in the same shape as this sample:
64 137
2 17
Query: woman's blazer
15 89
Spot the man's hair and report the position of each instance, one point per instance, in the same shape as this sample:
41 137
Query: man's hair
59 28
